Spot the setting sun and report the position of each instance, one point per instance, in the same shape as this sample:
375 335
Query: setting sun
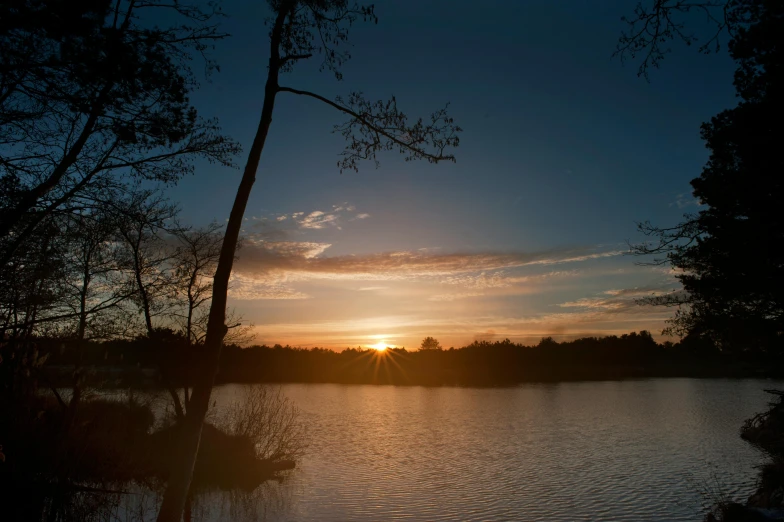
379 346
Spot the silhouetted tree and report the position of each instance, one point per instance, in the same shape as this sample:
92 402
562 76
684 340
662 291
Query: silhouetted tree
147 258
656 23
195 260
300 30
727 255
31 284
93 92
430 343
93 288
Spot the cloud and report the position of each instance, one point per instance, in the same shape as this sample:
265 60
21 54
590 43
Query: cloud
294 249
637 292
488 336
260 258
501 279
281 264
616 300
318 220
278 225
455 296
244 288
684 200
371 288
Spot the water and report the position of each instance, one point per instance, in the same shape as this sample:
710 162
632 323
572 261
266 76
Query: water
653 450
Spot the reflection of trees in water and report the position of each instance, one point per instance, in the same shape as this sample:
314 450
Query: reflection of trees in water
272 500
111 464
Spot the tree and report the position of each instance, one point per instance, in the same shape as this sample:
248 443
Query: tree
300 30
195 260
653 26
92 92
727 256
92 287
148 261
145 255
430 343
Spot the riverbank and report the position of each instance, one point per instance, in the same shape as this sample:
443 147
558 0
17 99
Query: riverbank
55 456
764 431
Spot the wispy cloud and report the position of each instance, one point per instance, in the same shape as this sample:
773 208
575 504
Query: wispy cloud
244 288
261 258
318 220
501 279
685 200
615 300
454 296
314 220
281 264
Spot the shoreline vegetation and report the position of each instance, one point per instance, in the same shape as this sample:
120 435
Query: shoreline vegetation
764 431
122 363
118 450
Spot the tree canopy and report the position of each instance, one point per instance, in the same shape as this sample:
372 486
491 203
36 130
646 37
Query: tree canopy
727 255
93 95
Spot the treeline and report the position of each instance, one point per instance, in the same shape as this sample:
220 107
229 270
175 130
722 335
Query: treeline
481 363
484 363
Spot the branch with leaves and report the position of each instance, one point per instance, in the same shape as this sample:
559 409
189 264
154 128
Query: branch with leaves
380 126
650 29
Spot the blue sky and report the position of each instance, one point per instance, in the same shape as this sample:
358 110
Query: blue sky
563 150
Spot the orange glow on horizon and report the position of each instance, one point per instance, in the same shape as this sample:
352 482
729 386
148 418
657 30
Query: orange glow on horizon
380 346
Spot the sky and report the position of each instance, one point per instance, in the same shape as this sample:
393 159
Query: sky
564 149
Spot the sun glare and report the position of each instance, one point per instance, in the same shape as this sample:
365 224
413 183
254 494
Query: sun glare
379 346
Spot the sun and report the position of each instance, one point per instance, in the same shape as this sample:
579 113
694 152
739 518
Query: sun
379 346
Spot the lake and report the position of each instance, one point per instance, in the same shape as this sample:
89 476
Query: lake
654 450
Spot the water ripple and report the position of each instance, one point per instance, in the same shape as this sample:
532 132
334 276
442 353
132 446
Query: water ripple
611 451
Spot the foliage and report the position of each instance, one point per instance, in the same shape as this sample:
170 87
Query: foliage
430 343
484 363
726 255
653 26
92 95
269 419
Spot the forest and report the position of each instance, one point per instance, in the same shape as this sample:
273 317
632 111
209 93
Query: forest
481 363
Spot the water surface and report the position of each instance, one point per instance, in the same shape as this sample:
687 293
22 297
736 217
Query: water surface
655 450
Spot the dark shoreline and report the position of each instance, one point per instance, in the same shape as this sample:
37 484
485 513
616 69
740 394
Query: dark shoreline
130 377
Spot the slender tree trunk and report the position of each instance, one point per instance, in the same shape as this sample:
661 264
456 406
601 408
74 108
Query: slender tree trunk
182 470
76 396
189 344
179 411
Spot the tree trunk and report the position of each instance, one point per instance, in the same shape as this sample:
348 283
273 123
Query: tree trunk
76 396
179 411
135 243
182 470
